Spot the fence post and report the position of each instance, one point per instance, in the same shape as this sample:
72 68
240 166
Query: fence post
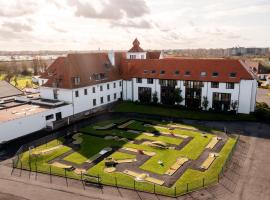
115 181
50 174
134 185
175 191
203 182
154 188
187 187
218 177
66 176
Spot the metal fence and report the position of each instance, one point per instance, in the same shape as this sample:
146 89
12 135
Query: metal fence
180 188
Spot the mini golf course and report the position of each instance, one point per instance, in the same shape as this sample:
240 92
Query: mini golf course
161 157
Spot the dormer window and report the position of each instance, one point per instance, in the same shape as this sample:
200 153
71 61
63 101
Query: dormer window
177 72
232 74
215 74
132 56
203 73
162 72
76 80
187 73
145 71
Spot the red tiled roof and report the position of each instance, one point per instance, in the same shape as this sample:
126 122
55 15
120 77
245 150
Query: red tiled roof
136 46
138 68
153 54
84 65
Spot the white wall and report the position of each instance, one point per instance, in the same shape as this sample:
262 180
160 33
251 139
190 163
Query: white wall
247 96
138 55
30 123
127 90
85 102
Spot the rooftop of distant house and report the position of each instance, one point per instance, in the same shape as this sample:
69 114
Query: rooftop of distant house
8 90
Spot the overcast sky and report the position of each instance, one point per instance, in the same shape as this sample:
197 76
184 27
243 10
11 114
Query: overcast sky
113 24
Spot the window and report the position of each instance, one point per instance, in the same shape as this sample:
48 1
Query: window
94 102
132 56
139 80
85 91
120 83
145 71
76 80
101 100
101 88
162 72
150 81
162 82
187 73
203 73
142 56
229 85
215 74
214 84
108 86
48 117
153 71
76 93
233 75
114 95
114 85
108 98
93 90
176 72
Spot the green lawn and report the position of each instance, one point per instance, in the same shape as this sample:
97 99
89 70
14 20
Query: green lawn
22 81
91 145
176 112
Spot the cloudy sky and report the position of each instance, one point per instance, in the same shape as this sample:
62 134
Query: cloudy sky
113 24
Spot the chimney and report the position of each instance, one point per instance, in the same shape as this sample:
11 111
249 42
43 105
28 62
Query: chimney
111 56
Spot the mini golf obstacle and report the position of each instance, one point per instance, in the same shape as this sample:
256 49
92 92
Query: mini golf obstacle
148 153
179 163
213 142
45 151
116 138
143 177
126 124
156 144
99 155
77 138
108 126
210 159
63 166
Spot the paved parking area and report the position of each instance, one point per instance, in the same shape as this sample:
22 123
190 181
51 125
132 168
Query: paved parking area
262 96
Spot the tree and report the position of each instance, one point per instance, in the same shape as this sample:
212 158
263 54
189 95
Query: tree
205 103
234 105
177 95
155 98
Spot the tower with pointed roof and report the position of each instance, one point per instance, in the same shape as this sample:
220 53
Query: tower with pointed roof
136 52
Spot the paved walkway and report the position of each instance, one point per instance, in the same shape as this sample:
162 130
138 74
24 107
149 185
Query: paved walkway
248 179
262 96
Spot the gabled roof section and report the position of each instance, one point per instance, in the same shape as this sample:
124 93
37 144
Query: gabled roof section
153 54
186 69
83 66
8 90
136 46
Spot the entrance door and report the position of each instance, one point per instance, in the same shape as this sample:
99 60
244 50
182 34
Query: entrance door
193 98
58 116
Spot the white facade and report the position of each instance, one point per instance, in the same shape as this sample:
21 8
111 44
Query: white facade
244 92
30 123
136 55
86 98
